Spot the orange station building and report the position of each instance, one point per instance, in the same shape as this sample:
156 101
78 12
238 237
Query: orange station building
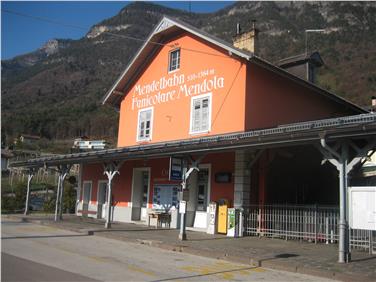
221 124
184 85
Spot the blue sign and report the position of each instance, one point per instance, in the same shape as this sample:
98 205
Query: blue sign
176 168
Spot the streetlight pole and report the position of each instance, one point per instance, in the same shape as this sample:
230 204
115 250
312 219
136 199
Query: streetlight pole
306 36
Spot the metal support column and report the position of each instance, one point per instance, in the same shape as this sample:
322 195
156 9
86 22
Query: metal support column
186 173
110 170
343 255
63 171
183 216
57 200
29 178
338 156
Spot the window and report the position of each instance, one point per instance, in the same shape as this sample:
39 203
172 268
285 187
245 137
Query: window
145 188
174 60
87 192
102 192
145 117
165 196
200 114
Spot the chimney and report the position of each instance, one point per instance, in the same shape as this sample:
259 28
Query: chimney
246 40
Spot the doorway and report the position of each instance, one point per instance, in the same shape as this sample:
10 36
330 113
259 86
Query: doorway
203 197
86 196
102 198
140 193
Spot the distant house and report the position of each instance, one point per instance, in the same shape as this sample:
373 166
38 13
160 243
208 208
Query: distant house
303 66
6 155
86 144
27 139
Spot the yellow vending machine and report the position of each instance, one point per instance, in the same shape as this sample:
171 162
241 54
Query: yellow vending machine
222 216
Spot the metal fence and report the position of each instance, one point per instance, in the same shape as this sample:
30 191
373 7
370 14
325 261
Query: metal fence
309 223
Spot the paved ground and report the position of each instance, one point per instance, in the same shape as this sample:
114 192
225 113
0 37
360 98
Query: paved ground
301 257
44 253
17 269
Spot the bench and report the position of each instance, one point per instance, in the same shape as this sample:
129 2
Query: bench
162 218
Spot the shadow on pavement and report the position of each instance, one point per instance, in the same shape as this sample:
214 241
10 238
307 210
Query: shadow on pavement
279 256
210 239
132 230
363 259
47 236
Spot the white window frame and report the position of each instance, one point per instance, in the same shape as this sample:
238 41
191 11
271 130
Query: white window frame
169 60
202 96
151 125
83 190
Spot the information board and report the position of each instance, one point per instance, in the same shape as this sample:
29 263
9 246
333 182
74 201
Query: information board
176 169
362 207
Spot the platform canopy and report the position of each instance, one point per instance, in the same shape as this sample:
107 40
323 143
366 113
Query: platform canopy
311 132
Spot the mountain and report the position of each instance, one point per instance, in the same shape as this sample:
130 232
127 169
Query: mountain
55 92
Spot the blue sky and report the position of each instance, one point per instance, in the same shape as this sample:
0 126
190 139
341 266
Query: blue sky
20 35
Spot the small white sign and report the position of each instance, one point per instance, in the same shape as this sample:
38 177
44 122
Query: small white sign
182 206
212 218
362 207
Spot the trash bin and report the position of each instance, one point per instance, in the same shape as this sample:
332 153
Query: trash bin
222 216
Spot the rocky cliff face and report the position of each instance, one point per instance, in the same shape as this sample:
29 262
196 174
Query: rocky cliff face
56 90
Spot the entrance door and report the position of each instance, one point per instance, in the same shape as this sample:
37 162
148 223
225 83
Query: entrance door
203 179
102 198
202 189
140 193
86 196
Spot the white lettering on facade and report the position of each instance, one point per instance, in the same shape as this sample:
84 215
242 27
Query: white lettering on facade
174 87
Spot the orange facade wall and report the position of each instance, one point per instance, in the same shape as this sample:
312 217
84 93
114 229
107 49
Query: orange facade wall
172 105
93 173
122 183
224 162
273 100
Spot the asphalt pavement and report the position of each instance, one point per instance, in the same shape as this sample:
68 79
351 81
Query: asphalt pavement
294 256
34 252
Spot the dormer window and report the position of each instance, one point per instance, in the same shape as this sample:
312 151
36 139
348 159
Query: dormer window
174 60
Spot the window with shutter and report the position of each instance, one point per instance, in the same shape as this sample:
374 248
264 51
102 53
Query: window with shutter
144 129
200 114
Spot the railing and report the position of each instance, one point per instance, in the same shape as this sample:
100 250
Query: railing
308 223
